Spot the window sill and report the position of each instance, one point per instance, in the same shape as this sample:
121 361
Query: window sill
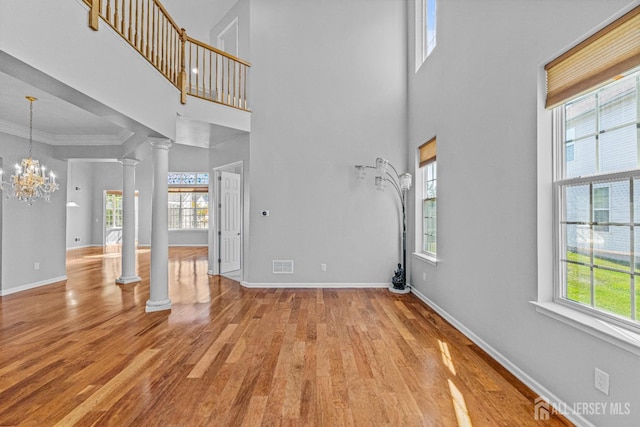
426 258
609 332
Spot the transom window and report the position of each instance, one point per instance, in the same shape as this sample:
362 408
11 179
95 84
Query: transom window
598 189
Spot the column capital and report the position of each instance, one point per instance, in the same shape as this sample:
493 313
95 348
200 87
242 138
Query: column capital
129 162
160 143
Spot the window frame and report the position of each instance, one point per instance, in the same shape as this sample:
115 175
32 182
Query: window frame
432 164
546 302
190 188
423 46
116 212
560 182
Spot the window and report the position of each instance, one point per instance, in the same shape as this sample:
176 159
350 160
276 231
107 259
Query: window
425 30
598 188
428 168
188 201
113 210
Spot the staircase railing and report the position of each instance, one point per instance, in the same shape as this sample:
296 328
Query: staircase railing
213 74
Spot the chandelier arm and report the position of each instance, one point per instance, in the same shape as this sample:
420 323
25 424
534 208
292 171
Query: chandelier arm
394 170
397 188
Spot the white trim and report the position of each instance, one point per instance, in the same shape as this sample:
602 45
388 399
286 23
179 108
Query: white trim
606 331
28 286
534 385
315 285
48 138
220 38
426 258
83 247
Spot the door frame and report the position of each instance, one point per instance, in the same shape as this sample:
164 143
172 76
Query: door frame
104 214
214 208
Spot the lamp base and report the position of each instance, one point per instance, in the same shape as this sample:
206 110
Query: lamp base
405 290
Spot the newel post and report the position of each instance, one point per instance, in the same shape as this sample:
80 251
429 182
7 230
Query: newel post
182 77
94 14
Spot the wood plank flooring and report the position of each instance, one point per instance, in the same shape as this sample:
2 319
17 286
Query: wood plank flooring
83 352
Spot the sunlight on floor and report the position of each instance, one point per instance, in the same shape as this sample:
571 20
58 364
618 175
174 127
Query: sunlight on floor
459 405
446 356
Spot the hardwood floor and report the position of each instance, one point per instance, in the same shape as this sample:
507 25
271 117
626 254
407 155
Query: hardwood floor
83 352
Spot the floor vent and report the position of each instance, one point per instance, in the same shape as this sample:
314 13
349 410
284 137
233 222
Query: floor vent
282 266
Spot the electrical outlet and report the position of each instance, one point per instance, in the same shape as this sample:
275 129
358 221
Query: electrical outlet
36 266
601 381
323 267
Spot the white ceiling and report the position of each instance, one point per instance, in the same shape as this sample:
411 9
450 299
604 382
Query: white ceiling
55 121
58 122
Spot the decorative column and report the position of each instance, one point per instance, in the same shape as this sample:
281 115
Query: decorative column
128 222
159 275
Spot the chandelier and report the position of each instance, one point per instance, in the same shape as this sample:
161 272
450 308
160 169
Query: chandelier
30 181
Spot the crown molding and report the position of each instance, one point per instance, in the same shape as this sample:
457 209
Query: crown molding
11 128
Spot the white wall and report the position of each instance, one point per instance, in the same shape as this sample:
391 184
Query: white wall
79 219
36 233
328 92
108 176
478 94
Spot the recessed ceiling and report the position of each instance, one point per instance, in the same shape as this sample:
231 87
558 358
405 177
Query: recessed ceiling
55 121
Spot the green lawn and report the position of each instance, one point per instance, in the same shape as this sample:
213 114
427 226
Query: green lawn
612 289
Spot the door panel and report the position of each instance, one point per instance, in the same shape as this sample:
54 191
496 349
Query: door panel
230 224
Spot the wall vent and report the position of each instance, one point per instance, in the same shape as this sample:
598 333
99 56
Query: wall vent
282 266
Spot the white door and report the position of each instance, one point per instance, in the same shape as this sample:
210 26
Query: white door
230 234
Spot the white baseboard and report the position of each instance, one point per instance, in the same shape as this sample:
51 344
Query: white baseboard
534 385
9 291
83 246
315 285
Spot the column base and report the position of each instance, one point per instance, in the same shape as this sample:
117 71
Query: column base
161 305
123 280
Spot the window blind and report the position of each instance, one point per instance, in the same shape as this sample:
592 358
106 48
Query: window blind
605 55
427 152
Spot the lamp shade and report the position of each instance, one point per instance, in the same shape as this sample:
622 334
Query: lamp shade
405 181
382 165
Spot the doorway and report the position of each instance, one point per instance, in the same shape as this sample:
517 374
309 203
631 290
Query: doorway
112 218
228 232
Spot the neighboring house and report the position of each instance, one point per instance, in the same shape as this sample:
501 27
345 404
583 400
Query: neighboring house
590 129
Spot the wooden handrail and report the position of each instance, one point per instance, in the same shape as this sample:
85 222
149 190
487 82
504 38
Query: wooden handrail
194 67
166 14
218 51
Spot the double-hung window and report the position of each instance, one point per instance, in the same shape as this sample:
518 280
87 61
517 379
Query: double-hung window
597 174
428 168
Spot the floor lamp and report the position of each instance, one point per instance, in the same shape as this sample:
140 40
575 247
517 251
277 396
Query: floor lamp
401 183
